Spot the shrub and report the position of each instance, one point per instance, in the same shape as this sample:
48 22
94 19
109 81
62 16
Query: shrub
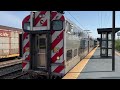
117 45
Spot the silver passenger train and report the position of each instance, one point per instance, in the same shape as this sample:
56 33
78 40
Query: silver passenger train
78 44
53 44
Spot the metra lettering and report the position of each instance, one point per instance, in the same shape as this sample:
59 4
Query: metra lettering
4 34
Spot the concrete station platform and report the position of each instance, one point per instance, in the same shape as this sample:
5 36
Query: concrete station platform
95 67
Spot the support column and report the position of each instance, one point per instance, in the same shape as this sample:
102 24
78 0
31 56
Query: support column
113 41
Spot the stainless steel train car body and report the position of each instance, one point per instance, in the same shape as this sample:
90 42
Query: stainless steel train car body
73 37
63 48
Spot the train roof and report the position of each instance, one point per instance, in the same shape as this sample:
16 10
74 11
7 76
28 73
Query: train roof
72 23
11 28
66 19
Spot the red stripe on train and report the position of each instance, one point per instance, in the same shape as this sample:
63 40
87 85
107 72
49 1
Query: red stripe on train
28 58
59 69
23 64
52 32
25 35
37 19
27 18
54 58
53 15
62 18
45 23
57 40
27 45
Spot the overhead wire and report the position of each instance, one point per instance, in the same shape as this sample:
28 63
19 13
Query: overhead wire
101 19
76 20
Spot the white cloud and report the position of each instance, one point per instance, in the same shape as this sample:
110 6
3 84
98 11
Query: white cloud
10 19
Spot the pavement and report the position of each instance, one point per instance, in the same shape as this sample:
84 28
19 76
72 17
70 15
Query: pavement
100 68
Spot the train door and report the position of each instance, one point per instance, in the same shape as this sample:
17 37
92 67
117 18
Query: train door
39 52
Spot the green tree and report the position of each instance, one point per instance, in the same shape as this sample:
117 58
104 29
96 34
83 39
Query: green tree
117 44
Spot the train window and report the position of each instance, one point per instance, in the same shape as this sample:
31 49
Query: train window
70 27
82 44
57 25
75 52
69 54
42 43
26 26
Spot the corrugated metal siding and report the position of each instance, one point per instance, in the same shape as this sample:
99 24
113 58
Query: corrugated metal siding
14 40
9 44
1 51
5 46
6 40
5 52
1 40
12 34
9 28
0 46
12 46
16 34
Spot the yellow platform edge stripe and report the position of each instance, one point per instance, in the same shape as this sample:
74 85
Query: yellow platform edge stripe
75 72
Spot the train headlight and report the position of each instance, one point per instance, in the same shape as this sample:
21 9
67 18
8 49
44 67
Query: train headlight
58 57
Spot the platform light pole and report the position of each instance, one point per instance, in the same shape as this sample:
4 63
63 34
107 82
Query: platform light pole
113 41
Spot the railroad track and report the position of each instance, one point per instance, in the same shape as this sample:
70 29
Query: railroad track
20 76
11 69
16 75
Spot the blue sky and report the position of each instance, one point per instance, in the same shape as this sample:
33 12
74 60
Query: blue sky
88 20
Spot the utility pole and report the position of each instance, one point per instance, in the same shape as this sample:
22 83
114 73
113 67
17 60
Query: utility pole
113 41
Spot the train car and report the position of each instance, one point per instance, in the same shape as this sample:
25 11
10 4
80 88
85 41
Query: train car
96 43
9 42
52 44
